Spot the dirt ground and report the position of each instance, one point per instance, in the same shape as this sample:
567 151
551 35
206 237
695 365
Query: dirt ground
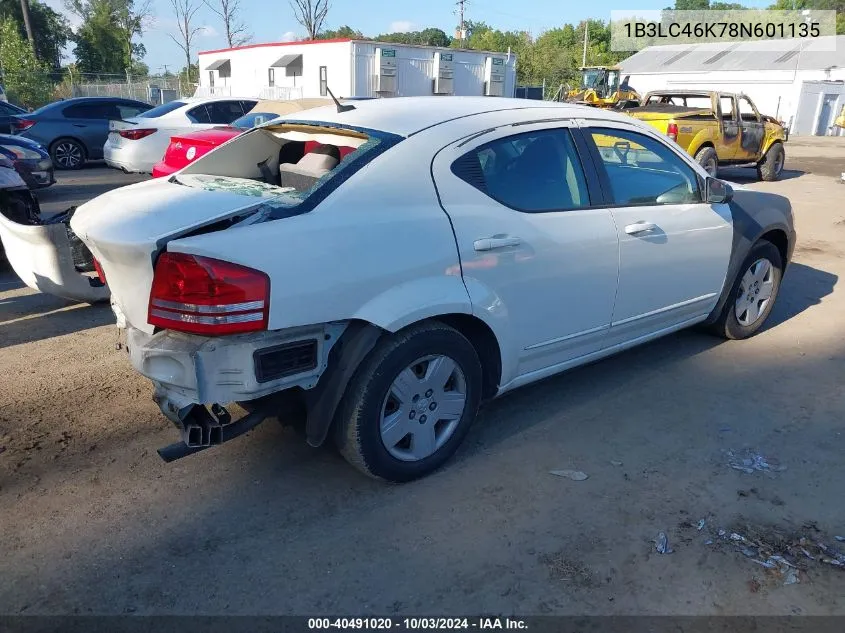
93 522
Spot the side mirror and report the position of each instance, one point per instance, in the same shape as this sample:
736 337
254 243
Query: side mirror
717 191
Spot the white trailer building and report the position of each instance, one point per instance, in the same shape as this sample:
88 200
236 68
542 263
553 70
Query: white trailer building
353 68
798 81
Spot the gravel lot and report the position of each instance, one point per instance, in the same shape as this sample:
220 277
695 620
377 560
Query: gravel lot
93 522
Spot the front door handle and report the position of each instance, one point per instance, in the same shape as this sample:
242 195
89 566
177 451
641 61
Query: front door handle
490 243
640 227
79 125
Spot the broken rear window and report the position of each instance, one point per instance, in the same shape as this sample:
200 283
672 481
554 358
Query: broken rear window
287 163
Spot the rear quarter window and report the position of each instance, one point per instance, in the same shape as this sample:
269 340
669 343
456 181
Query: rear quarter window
162 109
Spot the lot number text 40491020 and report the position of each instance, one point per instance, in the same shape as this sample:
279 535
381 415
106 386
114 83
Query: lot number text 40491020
416 624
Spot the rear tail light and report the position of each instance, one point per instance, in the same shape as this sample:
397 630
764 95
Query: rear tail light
672 131
22 124
207 296
100 274
135 135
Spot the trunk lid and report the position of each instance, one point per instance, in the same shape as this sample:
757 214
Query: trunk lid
186 148
127 227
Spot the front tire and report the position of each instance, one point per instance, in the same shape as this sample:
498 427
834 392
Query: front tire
771 166
707 158
753 293
410 404
67 154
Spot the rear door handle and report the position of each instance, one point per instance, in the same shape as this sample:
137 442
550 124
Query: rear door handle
79 125
640 227
490 243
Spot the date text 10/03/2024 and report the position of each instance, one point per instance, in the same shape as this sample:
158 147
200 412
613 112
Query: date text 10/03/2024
415 624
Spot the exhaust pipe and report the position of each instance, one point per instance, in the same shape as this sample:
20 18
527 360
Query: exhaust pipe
200 431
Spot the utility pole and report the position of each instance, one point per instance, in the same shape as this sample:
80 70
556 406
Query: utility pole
461 30
586 34
27 21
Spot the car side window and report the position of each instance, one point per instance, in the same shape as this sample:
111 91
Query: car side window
642 170
248 106
746 110
199 114
127 110
224 112
86 111
531 172
727 106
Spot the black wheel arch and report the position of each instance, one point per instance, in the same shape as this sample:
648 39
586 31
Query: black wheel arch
779 234
358 341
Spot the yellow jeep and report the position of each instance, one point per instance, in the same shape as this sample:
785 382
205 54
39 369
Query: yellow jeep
717 128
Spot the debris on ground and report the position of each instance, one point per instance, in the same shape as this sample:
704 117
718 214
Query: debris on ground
615 462
785 557
574 475
841 539
748 460
701 525
661 544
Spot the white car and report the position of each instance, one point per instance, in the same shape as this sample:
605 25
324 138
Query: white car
466 247
136 144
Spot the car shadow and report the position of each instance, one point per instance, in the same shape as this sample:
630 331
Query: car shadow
37 316
746 175
803 287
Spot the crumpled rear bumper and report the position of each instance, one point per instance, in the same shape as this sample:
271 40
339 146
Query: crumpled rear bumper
41 256
187 369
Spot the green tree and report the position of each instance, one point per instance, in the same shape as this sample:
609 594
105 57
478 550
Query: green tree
426 37
27 79
49 28
344 32
829 5
189 74
105 40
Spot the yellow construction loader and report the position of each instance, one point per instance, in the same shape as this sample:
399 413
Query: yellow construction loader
600 87
840 120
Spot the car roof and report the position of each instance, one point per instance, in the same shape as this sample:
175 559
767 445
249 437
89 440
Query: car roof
218 98
408 115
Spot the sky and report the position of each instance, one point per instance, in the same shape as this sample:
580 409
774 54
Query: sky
273 21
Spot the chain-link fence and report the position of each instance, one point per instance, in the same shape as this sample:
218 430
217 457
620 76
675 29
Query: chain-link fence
154 89
37 90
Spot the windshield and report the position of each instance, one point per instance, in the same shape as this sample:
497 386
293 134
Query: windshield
161 110
590 78
252 119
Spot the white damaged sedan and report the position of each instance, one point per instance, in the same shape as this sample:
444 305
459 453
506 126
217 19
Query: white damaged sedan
392 264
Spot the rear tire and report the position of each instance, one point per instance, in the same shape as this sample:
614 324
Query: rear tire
753 294
397 421
707 158
770 168
68 154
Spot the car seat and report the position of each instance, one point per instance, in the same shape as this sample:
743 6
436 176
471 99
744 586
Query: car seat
310 168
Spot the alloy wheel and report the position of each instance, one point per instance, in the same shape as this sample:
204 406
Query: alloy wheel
68 155
755 292
423 407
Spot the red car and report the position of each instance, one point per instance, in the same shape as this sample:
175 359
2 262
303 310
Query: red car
186 148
